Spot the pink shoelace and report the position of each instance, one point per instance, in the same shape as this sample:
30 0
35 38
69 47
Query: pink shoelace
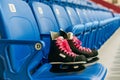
64 46
78 43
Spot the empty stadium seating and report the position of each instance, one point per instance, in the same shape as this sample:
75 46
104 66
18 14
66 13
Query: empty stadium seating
20 41
25 36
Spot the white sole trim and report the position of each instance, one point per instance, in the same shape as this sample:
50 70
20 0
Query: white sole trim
81 62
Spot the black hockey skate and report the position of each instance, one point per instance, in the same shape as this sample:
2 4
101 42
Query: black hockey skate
75 45
62 58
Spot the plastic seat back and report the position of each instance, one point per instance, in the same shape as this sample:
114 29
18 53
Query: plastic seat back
17 25
62 17
82 15
46 22
73 16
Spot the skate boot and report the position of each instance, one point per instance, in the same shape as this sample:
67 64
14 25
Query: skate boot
75 45
62 58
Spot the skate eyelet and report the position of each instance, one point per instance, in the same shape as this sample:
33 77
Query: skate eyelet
38 46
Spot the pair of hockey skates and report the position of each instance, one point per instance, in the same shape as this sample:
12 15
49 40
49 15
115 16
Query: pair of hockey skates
67 54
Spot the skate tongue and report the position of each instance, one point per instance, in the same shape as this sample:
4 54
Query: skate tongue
54 35
70 35
63 33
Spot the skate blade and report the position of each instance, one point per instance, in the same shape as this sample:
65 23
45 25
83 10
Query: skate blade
73 66
67 66
81 62
57 68
92 61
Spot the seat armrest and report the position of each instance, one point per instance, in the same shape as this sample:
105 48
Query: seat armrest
38 45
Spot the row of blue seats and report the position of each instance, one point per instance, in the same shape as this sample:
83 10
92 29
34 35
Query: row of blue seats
91 19
25 37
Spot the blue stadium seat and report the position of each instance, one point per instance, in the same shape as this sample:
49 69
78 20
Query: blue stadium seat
46 22
93 72
65 22
91 27
20 41
111 28
106 25
43 72
22 52
75 20
95 24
